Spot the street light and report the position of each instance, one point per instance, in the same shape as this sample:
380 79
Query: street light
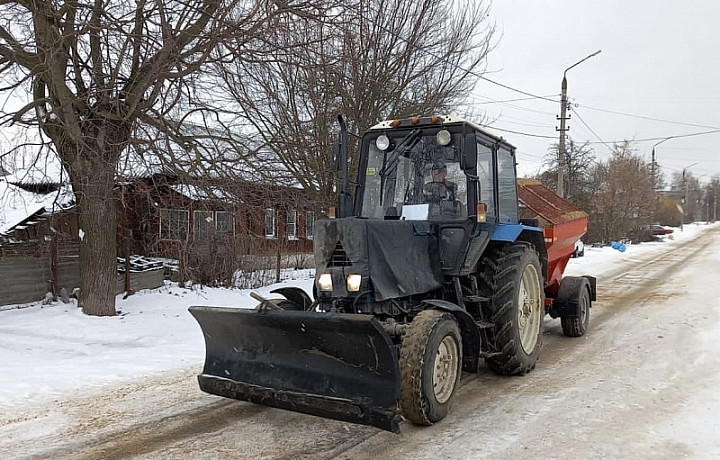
563 108
684 200
652 165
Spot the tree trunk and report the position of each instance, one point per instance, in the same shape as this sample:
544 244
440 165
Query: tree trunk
98 250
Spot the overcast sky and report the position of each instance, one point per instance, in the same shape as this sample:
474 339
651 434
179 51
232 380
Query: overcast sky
657 76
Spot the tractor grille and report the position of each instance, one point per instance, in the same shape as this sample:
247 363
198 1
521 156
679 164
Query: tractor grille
339 257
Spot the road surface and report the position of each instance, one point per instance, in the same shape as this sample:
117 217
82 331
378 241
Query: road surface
643 383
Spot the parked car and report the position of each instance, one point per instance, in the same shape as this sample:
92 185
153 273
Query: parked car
579 249
656 230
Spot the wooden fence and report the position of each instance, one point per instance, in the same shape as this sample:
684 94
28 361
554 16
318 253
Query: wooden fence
29 279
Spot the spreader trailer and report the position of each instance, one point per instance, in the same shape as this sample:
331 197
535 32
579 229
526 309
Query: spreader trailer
440 261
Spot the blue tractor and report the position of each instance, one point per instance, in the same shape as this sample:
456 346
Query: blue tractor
427 271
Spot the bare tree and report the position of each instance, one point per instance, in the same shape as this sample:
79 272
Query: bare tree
712 193
623 202
579 164
689 189
368 60
94 79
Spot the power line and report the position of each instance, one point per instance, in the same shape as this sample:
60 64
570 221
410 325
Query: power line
524 109
535 96
471 72
515 121
713 131
593 132
493 101
647 118
519 133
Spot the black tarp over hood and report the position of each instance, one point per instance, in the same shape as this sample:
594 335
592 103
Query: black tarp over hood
399 257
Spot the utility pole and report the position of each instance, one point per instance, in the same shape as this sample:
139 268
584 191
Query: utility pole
561 143
563 128
686 186
652 167
654 163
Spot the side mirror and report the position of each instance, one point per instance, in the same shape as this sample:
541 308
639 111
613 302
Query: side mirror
345 205
468 157
336 160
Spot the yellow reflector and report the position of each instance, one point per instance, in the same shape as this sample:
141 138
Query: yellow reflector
415 120
396 122
481 212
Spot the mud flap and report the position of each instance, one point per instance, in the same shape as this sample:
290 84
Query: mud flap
337 366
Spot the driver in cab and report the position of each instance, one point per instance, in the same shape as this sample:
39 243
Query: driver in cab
439 188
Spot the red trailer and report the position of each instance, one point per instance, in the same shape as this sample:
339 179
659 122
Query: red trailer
563 224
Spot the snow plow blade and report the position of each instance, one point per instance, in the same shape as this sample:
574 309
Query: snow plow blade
332 365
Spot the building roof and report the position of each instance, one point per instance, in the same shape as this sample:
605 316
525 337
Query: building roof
18 205
49 172
197 193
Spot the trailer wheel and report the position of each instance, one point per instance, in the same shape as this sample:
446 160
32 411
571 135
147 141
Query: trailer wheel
430 366
577 326
514 279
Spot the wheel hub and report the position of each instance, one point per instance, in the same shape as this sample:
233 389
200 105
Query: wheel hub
530 310
445 369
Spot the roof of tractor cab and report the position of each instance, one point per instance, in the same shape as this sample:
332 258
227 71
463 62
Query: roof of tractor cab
437 120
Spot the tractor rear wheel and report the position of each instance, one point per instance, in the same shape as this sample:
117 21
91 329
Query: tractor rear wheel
430 366
514 280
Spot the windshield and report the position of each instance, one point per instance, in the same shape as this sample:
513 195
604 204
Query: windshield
414 179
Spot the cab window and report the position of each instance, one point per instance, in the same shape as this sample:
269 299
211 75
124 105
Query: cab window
485 177
507 187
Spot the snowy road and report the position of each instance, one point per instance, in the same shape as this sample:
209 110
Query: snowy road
643 383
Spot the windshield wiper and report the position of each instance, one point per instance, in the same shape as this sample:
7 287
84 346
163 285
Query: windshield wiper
407 143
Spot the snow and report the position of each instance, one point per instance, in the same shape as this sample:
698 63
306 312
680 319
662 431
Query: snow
17 204
197 193
600 260
46 172
51 351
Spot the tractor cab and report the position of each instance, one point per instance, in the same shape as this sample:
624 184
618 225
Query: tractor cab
436 169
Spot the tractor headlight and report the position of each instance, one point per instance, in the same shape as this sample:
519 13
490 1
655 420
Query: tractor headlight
382 142
325 282
352 282
443 137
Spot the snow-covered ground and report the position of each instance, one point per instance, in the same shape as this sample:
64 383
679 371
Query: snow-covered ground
54 350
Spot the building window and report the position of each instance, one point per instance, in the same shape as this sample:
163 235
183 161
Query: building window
291 227
203 224
174 224
269 223
309 224
225 222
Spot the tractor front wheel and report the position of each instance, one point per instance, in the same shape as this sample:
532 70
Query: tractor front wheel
430 366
